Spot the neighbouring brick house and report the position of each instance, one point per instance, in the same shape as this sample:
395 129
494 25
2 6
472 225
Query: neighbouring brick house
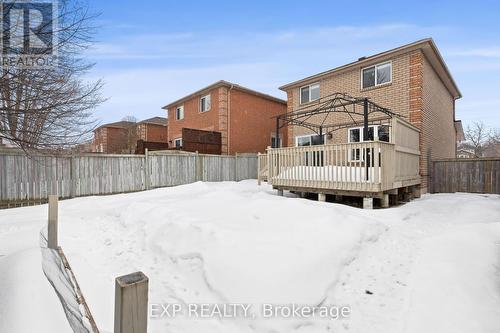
121 137
412 81
242 116
153 130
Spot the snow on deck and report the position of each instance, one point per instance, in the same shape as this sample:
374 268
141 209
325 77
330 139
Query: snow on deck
428 266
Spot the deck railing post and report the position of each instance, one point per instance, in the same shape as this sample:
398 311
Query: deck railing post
131 303
52 222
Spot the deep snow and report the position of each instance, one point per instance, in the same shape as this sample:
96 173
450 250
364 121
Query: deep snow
429 266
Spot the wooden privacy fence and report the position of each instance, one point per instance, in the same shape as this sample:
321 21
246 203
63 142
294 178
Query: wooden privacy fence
31 179
475 175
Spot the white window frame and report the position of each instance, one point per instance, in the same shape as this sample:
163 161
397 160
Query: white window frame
181 107
210 106
309 85
177 140
307 135
375 67
362 139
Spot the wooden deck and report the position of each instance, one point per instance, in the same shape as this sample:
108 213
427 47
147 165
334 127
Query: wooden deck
333 169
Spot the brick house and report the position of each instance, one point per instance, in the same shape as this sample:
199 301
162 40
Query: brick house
242 116
112 138
153 130
412 81
121 137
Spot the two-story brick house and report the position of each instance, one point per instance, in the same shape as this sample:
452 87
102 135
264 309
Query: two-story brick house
121 137
242 116
412 81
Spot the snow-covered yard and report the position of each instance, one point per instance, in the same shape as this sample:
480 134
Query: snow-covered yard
432 265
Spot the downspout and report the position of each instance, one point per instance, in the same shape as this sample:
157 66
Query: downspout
229 118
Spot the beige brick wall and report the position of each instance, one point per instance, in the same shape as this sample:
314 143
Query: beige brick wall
393 95
439 136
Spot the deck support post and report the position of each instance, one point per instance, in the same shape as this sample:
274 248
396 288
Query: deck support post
406 194
385 200
321 197
52 225
368 203
416 191
280 192
131 303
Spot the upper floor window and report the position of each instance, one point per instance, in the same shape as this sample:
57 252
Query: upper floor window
376 75
179 112
205 103
309 93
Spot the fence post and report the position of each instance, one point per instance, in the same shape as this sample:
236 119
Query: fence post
52 225
236 167
258 169
199 167
131 303
146 169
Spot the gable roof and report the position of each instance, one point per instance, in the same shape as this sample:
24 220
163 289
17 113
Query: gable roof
227 84
118 124
155 121
427 46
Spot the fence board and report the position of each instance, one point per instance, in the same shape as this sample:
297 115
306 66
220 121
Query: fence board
30 179
479 175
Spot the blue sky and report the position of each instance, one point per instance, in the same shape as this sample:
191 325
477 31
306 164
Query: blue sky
150 53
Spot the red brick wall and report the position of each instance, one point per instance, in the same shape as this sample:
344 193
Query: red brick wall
251 122
152 132
112 140
193 118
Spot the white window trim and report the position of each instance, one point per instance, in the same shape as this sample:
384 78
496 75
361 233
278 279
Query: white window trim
175 142
362 139
309 85
177 108
375 66
305 136
202 97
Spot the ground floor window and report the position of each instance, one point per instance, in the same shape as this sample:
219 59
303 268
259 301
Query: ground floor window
178 143
312 158
274 143
356 134
309 140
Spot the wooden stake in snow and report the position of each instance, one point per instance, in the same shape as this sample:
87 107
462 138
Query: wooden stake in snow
52 226
131 303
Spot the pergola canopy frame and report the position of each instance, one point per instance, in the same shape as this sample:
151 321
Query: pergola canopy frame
335 103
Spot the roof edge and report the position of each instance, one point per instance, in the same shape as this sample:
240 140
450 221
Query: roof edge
223 83
420 44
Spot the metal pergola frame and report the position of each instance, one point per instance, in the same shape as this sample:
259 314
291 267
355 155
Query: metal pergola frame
335 103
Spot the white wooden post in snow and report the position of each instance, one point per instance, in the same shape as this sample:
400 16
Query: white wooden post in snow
52 225
131 303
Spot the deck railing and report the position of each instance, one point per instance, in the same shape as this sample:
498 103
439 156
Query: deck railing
371 166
